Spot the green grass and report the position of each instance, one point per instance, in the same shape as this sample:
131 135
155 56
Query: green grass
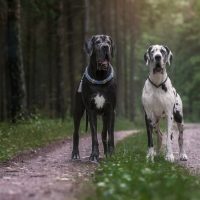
124 124
30 134
26 135
127 175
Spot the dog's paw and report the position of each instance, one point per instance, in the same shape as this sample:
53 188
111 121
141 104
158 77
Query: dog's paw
75 155
110 151
94 157
169 157
183 157
150 154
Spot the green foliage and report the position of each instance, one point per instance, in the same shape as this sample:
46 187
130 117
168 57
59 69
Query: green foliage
133 25
31 134
127 175
166 22
124 124
37 132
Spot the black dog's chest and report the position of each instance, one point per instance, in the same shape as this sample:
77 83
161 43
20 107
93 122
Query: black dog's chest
98 97
98 101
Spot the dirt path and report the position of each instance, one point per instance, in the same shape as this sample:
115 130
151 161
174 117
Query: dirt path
192 147
49 173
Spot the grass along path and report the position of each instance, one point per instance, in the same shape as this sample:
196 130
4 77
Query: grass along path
27 135
31 134
51 174
127 175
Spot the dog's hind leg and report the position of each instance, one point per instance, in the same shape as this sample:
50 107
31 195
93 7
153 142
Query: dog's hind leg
104 134
182 153
95 145
79 109
169 155
111 120
178 118
149 127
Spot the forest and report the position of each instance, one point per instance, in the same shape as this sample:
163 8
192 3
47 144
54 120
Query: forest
42 56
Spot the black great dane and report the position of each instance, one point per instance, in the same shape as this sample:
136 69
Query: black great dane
97 95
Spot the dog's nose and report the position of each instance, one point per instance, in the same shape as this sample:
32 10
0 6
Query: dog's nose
105 47
158 57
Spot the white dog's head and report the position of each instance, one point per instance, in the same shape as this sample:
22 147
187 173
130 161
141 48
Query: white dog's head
156 57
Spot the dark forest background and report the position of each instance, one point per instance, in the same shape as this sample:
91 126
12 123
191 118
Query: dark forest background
42 57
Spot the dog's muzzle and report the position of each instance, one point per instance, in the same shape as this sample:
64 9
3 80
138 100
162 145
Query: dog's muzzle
158 67
104 58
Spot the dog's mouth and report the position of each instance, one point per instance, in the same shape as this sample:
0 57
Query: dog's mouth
104 63
158 68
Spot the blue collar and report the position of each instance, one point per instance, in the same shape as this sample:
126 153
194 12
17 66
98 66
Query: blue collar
101 82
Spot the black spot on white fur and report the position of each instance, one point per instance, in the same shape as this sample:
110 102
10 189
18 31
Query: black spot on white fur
177 116
164 87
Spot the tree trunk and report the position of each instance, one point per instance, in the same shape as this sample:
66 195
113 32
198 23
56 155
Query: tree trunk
97 16
27 59
87 18
125 64
29 64
131 80
60 100
3 96
86 25
134 29
50 53
132 83
120 85
71 51
15 62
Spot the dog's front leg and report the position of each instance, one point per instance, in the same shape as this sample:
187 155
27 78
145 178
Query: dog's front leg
104 134
149 127
159 138
111 120
95 146
169 154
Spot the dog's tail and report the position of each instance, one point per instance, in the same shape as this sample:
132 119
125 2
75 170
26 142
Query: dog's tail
86 122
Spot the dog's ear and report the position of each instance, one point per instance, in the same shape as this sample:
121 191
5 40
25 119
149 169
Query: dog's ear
89 46
147 56
112 47
169 55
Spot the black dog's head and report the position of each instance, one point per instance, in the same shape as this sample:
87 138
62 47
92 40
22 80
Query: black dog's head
100 49
157 56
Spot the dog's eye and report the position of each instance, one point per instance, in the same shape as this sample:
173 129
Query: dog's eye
108 42
98 42
162 51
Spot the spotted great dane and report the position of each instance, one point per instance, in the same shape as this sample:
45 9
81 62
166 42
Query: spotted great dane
160 99
97 95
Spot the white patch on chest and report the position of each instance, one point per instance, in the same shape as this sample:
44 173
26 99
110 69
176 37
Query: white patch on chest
99 101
